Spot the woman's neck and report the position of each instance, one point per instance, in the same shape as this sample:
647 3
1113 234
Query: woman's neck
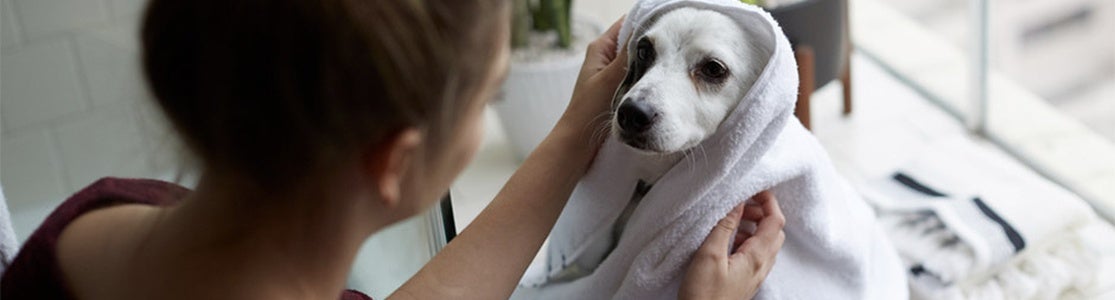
298 243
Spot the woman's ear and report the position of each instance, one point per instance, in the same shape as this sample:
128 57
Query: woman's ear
388 163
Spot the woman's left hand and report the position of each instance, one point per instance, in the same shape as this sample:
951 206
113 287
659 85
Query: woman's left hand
716 273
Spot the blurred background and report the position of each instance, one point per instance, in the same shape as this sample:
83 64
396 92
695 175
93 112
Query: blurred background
1030 80
1063 51
1037 77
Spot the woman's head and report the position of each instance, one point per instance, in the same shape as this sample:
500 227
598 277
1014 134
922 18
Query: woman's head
276 92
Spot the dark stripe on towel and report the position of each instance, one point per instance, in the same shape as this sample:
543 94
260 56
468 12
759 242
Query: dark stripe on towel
1012 235
919 270
642 188
915 185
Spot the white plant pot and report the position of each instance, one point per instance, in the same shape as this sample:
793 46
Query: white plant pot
536 93
534 97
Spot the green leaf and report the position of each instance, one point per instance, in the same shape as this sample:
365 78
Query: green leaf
520 23
542 16
562 22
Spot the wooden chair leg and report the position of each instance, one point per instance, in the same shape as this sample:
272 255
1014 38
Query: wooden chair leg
846 74
846 81
804 57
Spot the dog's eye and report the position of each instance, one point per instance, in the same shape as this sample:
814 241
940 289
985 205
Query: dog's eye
713 69
644 52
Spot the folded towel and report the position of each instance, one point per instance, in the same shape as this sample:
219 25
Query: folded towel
973 225
833 248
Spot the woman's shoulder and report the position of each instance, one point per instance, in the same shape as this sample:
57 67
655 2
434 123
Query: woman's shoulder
130 195
36 270
354 295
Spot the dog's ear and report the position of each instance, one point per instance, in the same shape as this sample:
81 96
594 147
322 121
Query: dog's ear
633 73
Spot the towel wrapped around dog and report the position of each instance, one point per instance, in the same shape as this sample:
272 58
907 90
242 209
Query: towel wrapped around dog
833 247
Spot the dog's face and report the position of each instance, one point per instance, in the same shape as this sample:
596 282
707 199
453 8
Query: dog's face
686 74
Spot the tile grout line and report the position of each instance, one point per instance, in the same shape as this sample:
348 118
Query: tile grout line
20 32
61 171
110 9
83 90
58 34
82 73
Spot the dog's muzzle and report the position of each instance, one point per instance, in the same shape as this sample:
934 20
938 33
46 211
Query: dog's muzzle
635 118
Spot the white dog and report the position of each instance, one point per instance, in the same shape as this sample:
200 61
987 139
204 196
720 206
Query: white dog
690 69
703 120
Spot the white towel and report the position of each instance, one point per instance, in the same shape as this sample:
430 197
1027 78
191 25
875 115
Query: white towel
973 225
8 243
833 248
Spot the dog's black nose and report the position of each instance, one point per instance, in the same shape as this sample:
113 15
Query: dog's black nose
635 116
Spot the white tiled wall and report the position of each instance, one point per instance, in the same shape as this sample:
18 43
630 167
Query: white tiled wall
10 34
73 106
41 18
39 176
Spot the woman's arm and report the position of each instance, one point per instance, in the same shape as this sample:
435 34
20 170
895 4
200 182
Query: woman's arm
487 259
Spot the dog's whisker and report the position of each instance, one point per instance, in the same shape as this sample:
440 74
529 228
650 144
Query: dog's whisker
694 158
704 156
601 129
691 158
597 118
684 161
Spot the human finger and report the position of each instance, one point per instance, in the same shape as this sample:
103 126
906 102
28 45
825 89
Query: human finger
718 239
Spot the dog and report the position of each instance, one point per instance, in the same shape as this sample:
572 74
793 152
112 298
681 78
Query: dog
702 120
686 74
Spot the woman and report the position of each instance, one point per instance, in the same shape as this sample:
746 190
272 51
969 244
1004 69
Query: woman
318 123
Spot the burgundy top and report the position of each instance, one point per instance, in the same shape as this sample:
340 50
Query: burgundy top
35 273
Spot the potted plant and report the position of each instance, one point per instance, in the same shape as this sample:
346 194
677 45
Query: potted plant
547 50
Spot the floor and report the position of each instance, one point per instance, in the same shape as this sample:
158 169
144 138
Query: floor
890 123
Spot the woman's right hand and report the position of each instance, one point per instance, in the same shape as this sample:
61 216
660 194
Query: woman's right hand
584 124
716 273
